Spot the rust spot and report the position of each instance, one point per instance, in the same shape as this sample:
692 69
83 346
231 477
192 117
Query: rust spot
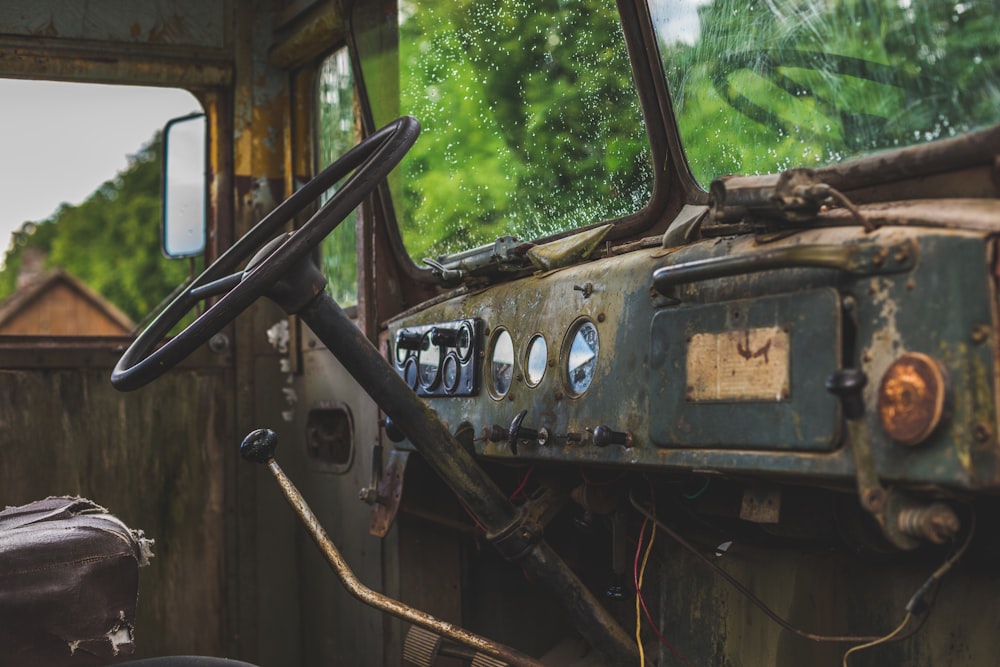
136 30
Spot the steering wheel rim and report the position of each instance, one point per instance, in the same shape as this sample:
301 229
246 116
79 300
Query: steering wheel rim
371 161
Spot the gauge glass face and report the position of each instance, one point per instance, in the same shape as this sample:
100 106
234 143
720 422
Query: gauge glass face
449 373
410 373
581 359
536 360
502 363
463 346
428 362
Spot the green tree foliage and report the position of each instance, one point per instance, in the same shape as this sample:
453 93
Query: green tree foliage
765 86
531 125
111 241
337 131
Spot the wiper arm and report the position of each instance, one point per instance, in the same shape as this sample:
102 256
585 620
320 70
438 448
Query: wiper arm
794 196
505 255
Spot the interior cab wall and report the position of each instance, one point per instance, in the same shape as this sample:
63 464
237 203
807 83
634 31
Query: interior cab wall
165 458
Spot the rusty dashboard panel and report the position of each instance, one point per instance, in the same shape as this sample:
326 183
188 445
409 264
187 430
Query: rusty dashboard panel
600 362
750 361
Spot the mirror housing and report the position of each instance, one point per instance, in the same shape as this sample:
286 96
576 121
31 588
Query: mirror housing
185 186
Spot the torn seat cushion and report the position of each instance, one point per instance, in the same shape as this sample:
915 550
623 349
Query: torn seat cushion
68 584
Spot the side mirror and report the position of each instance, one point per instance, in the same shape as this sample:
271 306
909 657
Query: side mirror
185 186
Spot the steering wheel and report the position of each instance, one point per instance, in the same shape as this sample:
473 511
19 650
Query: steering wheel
271 257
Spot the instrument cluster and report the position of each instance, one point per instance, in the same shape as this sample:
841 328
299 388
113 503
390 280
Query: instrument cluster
441 359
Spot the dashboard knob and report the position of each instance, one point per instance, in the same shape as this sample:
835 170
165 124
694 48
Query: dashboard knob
443 337
392 431
408 340
604 436
846 384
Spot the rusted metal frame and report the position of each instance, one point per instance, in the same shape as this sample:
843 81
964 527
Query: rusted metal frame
668 164
382 198
256 118
456 467
300 167
59 62
677 168
912 162
975 148
307 35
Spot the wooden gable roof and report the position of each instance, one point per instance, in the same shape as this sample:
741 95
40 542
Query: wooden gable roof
58 304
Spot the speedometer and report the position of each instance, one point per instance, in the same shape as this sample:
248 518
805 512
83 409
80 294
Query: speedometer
580 356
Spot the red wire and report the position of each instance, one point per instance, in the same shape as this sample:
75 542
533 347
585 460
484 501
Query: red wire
473 517
524 481
642 600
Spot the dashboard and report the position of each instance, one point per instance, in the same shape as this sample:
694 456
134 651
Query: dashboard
710 358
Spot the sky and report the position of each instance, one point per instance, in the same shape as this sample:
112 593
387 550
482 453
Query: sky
60 141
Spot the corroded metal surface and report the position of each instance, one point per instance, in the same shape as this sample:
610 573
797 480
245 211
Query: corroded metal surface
888 313
180 22
390 494
911 398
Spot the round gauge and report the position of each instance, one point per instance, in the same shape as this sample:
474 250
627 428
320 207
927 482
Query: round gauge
410 372
428 362
536 360
581 357
463 346
449 373
501 363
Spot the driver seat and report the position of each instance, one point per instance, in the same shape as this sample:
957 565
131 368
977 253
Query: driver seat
68 583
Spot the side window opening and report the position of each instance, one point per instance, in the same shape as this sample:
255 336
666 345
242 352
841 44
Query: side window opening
82 206
336 133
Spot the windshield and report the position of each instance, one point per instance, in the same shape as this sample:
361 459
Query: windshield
760 87
531 124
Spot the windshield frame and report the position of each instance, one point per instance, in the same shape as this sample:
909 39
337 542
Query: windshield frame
653 105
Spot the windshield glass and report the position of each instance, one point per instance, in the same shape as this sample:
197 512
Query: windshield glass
760 87
531 124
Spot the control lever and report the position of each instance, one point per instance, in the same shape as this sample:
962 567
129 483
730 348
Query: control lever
259 447
518 432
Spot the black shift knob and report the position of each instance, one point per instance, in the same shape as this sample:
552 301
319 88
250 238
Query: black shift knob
259 445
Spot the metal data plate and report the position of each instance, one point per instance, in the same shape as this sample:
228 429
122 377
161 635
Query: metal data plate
746 374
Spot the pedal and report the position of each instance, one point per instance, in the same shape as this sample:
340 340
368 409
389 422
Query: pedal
421 647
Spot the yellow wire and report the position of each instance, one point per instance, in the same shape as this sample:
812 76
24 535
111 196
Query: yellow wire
638 592
638 617
880 640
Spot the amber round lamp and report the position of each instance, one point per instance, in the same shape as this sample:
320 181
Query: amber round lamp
911 398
